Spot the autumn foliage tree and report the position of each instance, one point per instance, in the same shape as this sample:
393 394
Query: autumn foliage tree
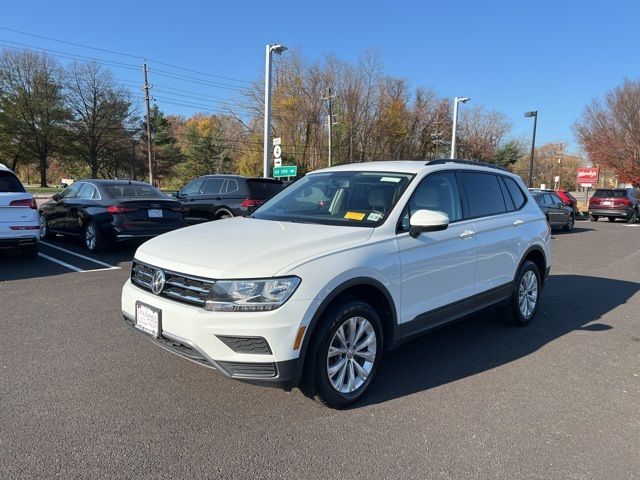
609 132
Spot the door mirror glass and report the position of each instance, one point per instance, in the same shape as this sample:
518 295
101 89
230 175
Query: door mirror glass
427 221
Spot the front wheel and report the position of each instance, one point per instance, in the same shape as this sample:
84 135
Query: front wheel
525 296
346 354
44 227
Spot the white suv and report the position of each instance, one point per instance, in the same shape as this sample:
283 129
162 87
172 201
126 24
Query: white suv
19 218
343 264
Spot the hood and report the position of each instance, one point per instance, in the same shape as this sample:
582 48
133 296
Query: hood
245 247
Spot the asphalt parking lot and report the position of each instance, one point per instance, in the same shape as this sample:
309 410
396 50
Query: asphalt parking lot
81 395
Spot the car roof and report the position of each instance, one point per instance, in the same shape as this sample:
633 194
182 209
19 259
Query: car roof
415 166
238 177
106 181
4 168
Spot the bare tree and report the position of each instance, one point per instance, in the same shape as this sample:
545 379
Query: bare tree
609 131
100 114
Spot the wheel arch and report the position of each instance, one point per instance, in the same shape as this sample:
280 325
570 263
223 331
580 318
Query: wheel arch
368 289
536 254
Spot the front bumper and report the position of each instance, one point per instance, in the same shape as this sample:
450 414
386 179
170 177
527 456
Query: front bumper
200 336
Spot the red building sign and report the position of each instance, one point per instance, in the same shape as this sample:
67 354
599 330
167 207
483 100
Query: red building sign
588 176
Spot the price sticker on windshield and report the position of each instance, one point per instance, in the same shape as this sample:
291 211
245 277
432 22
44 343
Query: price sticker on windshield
354 215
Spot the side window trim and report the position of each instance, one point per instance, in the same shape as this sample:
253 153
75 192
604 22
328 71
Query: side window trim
526 198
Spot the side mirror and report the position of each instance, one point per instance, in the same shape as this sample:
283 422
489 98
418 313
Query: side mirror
427 221
56 197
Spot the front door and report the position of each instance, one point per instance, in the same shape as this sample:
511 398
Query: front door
438 268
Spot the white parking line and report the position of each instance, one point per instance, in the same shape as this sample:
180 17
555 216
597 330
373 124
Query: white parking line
104 264
60 262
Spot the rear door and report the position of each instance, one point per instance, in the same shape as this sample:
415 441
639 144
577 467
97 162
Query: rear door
496 232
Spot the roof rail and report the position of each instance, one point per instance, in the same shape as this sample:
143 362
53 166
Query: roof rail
442 161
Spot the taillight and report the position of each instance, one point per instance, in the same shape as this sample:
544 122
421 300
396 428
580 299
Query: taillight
251 202
623 201
25 202
114 209
594 200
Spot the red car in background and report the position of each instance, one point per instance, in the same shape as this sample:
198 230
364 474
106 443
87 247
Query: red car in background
568 199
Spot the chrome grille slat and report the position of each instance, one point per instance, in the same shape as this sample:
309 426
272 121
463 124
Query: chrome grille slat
179 287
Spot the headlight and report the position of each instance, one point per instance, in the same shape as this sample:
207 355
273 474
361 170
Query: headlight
250 295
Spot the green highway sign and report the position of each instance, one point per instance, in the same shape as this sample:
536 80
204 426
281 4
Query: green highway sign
290 171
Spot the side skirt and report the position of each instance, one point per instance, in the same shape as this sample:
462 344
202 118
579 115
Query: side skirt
446 314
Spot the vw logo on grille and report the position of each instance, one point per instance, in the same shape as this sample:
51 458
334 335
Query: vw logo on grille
157 284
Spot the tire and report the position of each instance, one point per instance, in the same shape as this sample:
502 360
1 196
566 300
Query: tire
29 252
222 214
634 217
570 224
528 279
44 227
93 240
324 379
593 218
611 219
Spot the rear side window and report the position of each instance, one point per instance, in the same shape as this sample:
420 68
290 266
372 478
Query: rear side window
10 183
262 189
212 186
516 194
483 194
604 193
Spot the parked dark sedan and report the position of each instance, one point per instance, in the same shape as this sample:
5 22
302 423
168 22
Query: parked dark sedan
213 197
558 214
107 211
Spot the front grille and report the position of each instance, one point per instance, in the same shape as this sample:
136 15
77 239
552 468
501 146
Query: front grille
252 370
254 345
179 287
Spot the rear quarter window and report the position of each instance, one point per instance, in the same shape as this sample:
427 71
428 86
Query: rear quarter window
263 189
516 194
10 183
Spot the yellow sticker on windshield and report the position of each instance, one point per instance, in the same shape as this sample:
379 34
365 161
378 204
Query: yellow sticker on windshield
354 215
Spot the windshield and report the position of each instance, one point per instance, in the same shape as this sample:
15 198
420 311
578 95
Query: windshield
132 191
362 199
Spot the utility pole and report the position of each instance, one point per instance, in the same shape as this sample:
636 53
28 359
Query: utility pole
330 98
147 98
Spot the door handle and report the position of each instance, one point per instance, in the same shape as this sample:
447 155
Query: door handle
467 234
517 223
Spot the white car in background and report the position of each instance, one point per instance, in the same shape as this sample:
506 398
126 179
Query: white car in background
343 264
19 218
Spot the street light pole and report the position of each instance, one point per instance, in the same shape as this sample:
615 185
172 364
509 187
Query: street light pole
267 105
533 114
456 102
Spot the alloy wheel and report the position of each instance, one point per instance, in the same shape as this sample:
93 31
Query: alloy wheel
528 294
90 236
351 355
43 226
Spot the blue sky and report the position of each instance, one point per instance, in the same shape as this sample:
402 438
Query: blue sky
511 56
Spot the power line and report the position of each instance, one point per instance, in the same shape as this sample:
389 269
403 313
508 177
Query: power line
113 52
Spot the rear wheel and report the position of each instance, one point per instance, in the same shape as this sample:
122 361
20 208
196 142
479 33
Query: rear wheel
525 296
345 355
593 218
44 227
93 238
611 219
570 224
221 214
634 217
